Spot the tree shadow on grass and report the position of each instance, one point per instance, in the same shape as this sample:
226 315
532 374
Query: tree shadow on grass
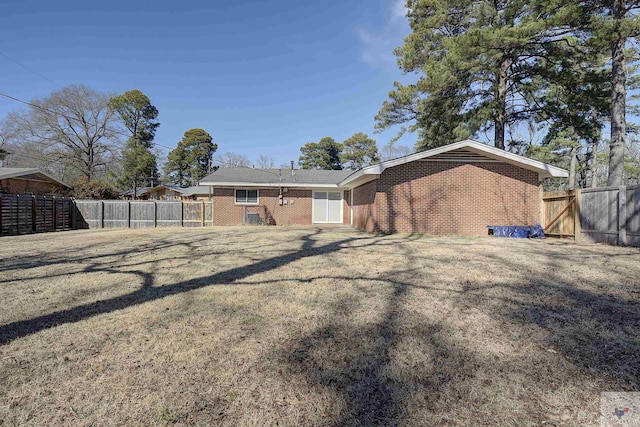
361 362
594 325
148 292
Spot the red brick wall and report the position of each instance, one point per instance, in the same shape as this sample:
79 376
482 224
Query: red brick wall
38 188
297 211
447 198
346 207
364 215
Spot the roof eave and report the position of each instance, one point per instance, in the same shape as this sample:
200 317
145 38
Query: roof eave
544 170
269 184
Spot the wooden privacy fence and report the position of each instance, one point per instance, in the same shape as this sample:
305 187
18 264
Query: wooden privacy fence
22 214
142 214
608 215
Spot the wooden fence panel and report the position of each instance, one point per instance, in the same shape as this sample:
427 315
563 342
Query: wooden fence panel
558 213
633 215
599 215
139 214
26 219
63 214
193 214
45 213
116 214
88 214
21 214
208 213
9 219
143 214
169 214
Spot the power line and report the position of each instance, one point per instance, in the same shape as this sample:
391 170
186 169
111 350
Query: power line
30 69
30 104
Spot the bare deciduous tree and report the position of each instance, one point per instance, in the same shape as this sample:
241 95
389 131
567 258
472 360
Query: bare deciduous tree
265 162
231 160
72 132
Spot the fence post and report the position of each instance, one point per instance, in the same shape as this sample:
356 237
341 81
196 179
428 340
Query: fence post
155 214
622 215
577 225
541 212
202 213
101 213
181 213
129 214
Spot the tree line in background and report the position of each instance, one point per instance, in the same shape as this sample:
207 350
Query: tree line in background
519 68
545 77
353 153
104 145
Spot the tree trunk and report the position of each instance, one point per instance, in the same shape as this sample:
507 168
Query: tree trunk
572 168
618 104
135 190
594 165
501 102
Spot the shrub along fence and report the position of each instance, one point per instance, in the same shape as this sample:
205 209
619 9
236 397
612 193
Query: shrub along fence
142 214
608 215
23 214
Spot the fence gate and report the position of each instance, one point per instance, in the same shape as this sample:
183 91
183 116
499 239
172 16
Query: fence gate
559 212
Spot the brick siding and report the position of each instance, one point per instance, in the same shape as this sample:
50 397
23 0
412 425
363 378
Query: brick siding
447 198
346 207
296 211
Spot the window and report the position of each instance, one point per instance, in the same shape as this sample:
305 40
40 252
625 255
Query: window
246 197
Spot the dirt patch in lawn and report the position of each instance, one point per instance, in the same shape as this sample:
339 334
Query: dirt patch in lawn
312 326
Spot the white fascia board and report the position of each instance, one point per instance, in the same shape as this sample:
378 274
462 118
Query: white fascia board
269 184
357 179
544 170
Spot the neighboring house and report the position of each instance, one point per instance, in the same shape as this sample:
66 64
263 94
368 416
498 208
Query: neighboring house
169 192
31 181
141 193
456 189
198 192
164 192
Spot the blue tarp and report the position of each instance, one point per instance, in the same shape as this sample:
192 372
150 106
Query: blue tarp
517 231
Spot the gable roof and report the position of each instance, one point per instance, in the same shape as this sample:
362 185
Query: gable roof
463 151
250 177
30 174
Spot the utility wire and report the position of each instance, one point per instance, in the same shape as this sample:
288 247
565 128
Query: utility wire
39 107
30 69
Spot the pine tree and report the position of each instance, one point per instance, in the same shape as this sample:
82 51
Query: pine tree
474 59
324 154
191 160
138 116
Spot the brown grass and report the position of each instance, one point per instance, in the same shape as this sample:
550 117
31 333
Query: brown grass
293 326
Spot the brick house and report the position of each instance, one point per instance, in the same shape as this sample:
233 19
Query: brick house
168 192
456 189
31 181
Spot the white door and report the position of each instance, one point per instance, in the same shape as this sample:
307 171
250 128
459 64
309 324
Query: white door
327 207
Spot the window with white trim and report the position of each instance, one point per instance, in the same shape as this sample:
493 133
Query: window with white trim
246 197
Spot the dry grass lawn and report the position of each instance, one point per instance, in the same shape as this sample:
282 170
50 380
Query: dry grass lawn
308 326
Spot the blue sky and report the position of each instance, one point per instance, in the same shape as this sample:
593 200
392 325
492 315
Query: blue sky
261 77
